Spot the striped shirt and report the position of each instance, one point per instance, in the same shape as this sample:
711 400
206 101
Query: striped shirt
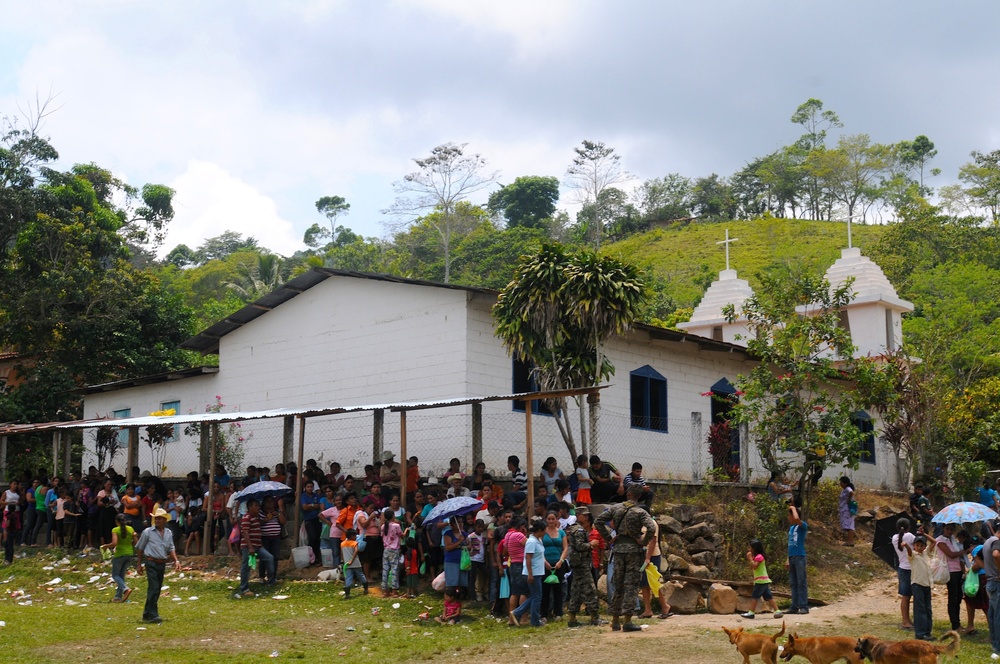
520 479
250 531
271 528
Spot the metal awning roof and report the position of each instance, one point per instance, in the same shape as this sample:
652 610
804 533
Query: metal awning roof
314 411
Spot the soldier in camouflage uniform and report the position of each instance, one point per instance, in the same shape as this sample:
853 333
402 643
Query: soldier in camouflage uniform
629 551
582 590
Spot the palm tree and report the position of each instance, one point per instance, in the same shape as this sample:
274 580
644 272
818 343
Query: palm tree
258 279
558 311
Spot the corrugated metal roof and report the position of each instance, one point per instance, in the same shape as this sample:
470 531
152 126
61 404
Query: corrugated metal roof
207 341
148 380
313 411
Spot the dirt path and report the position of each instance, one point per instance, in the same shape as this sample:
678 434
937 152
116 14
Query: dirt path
698 639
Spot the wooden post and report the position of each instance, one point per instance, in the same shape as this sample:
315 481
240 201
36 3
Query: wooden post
529 506
402 453
209 517
67 443
298 483
3 459
133 453
378 434
204 436
594 404
55 453
477 434
288 439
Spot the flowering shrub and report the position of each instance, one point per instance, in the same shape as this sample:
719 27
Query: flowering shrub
230 451
720 447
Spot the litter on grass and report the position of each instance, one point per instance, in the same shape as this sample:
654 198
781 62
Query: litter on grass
281 597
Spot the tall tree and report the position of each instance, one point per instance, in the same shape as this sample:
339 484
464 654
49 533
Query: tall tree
259 277
917 154
816 122
595 168
664 199
529 201
442 180
712 198
558 311
851 173
982 182
331 207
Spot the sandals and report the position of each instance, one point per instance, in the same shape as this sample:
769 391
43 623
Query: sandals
664 616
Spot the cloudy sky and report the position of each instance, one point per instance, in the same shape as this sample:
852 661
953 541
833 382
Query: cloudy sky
253 110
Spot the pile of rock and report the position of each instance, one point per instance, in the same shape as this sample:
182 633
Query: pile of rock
690 541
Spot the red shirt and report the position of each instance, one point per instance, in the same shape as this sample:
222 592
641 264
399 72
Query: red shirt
596 551
148 504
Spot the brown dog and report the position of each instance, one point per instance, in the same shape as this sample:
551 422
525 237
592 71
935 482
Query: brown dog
822 649
755 644
911 651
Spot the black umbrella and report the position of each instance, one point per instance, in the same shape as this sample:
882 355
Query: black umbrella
882 546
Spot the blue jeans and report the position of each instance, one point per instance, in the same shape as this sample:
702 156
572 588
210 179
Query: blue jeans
118 567
273 546
797 581
922 618
264 558
352 575
534 602
993 616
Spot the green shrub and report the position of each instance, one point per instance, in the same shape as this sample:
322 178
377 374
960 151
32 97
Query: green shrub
763 519
823 502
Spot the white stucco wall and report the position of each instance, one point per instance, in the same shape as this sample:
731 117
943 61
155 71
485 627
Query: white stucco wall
351 341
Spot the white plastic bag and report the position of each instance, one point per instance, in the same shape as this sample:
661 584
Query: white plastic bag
939 570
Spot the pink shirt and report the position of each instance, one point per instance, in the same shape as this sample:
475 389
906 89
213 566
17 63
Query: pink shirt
331 514
954 564
513 543
390 540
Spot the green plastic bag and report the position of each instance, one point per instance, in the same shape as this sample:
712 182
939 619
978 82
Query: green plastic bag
466 563
971 586
252 561
423 568
106 554
551 578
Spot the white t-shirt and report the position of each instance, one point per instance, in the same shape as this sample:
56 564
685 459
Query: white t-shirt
904 560
583 476
462 491
568 521
484 514
477 553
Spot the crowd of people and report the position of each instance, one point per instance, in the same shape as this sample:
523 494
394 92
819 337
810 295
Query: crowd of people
537 561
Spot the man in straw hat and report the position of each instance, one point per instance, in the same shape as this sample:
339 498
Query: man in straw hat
155 547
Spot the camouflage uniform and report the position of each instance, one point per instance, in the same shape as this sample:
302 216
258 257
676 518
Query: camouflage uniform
629 550
582 590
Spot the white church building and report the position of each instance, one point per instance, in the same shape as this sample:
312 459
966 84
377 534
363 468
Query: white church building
331 338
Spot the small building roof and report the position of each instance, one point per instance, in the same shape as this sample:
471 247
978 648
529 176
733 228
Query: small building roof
727 289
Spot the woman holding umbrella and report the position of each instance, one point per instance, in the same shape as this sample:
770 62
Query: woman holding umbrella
452 541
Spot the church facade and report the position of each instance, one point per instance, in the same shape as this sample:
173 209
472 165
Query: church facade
331 338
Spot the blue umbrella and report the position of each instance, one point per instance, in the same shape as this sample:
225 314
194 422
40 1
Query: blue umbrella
265 489
967 512
457 506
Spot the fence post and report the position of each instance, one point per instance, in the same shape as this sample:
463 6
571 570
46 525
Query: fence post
209 535
378 434
55 453
594 403
477 434
133 453
297 511
288 439
203 452
67 445
697 442
3 458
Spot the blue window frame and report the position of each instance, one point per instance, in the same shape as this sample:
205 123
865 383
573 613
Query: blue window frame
121 415
176 406
863 421
648 398
522 381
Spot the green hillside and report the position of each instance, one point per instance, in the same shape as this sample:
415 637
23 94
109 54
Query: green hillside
686 258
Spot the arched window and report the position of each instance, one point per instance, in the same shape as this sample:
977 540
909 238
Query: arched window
648 399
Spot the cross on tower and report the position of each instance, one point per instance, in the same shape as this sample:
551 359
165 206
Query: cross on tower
726 242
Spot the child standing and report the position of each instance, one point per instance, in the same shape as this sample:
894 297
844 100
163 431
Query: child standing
479 575
413 557
392 534
761 581
920 586
352 563
583 481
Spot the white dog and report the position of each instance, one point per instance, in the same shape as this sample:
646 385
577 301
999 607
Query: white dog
329 575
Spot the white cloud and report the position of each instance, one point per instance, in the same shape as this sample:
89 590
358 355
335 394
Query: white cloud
210 201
